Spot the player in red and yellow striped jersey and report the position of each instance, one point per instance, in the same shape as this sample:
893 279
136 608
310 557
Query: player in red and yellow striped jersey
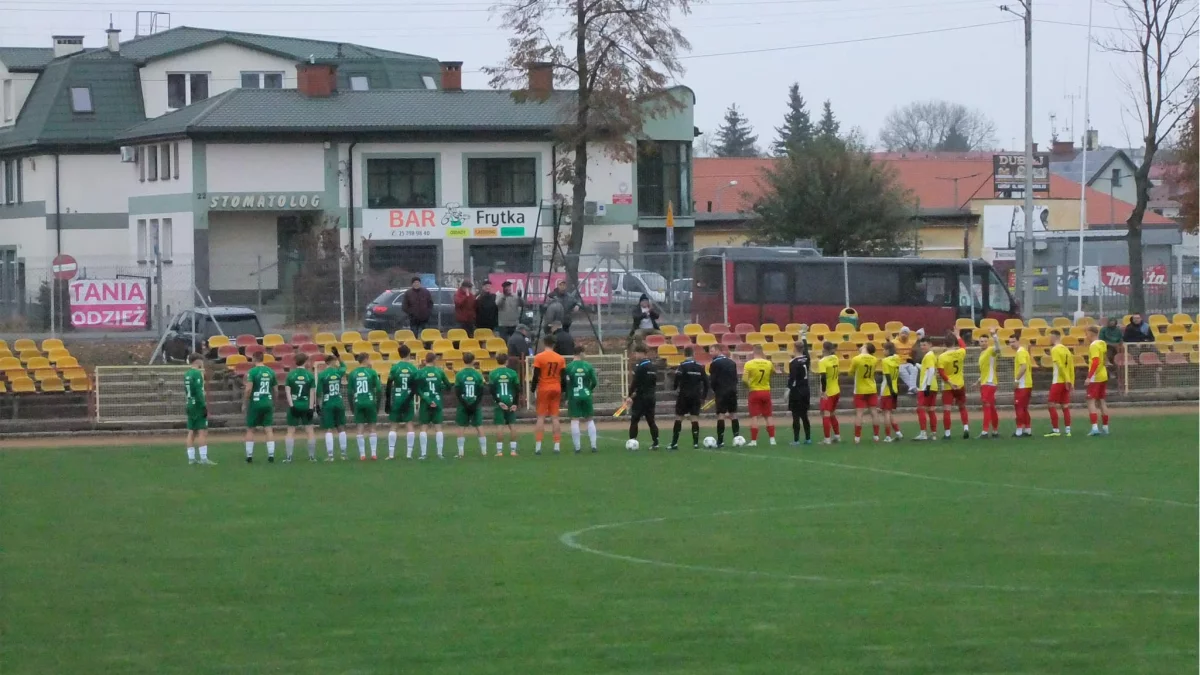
1097 381
989 352
1061 384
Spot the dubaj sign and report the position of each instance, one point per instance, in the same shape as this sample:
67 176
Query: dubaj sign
449 222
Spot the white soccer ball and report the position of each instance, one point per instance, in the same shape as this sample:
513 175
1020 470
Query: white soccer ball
739 441
632 444
710 442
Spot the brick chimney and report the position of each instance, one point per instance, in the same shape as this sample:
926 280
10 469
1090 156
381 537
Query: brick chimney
316 80
451 75
541 78
65 45
1062 149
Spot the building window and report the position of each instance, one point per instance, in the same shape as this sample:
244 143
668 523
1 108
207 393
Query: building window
151 162
6 100
175 154
143 241
155 237
359 83
81 100
141 163
400 183
184 89
502 181
165 161
1116 178
662 176
429 82
166 240
12 182
262 80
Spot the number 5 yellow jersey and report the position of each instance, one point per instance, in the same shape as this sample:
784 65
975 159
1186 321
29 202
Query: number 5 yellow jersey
951 361
863 366
757 374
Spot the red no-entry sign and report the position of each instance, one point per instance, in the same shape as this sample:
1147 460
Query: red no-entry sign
64 267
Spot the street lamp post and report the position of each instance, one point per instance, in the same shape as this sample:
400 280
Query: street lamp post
717 197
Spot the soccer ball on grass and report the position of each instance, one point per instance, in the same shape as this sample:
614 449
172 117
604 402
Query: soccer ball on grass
739 441
710 442
632 444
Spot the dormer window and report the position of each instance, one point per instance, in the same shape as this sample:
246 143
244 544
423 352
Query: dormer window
184 89
252 80
359 83
81 100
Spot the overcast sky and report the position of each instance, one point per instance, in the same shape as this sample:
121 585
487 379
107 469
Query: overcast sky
981 67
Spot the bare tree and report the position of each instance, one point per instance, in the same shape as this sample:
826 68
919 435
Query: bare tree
617 58
703 146
1160 35
936 125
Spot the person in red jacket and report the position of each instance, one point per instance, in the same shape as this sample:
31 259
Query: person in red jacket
464 307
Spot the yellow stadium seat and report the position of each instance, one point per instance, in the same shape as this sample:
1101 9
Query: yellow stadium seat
496 345
988 324
325 339
1045 361
415 346
218 341
80 384
1061 322
1080 360
693 329
794 328
37 363
361 346
4 353
670 330
844 366
893 326
52 343
430 334
73 373
1176 329
456 334
53 384
24 345
859 338
1193 357
706 340
769 328
3 344
1015 324
1183 320
844 328
268 358
382 369
756 338
483 334
441 346
3 387
350 337
870 327
1033 323
771 348
272 340
783 339
818 328
781 358
56 355
388 345
667 350
480 354
377 336
1163 336
673 360
452 355
1085 321
404 335
23 385
468 345
44 374
235 359
963 323
488 365
1157 320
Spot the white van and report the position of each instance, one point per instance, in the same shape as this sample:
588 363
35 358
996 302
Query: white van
628 287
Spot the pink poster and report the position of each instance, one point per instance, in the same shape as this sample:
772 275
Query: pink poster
592 288
109 304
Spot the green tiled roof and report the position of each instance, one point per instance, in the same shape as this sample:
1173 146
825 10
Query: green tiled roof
46 119
186 38
25 59
289 111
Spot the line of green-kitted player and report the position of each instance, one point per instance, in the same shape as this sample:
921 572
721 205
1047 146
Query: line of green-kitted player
334 398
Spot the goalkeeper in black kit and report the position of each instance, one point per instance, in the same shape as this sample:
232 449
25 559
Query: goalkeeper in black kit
691 385
798 392
641 399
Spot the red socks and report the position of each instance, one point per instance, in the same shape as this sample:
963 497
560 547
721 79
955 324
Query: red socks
771 432
857 432
876 428
1105 419
962 415
1067 416
921 418
896 427
946 418
1054 417
754 433
1092 417
825 425
837 428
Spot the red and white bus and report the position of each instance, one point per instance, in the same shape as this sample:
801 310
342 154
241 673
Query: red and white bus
791 285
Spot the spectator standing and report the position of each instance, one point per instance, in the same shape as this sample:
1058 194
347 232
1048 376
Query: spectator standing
553 311
417 306
645 320
509 308
564 343
1138 330
567 299
487 313
518 343
464 307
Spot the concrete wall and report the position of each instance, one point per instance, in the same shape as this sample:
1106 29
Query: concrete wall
266 167
224 65
237 244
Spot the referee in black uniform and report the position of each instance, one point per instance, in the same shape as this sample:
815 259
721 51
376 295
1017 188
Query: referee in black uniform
641 395
691 386
798 393
723 377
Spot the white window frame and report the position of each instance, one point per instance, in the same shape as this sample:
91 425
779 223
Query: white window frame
86 93
355 80
7 99
10 170
187 87
261 76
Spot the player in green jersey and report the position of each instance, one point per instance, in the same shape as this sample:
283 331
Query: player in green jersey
197 411
505 385
333 406
400 402
260 406
431 382
581 382
366 388
468 388
299 391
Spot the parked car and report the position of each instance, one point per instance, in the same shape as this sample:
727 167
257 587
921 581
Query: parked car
195 326
384 313
628 286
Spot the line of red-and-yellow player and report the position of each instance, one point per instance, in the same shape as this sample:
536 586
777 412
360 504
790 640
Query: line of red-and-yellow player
942 369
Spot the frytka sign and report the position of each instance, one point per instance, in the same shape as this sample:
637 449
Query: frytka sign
449 222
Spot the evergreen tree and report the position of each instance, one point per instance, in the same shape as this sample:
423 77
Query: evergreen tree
828 127
955 141
734 137
797 129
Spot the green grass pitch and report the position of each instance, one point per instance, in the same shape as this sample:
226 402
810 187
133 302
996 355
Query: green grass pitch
1043 556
